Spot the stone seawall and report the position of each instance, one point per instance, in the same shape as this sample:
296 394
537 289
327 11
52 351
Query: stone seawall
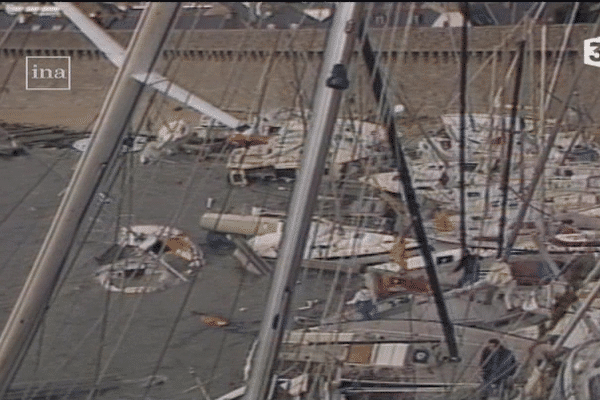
231 68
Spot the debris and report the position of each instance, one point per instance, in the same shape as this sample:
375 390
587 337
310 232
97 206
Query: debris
247 141
16 138
398 253
148 381
129 144
169 138
443 223
212 320
153 380
309 304
148 258
295 386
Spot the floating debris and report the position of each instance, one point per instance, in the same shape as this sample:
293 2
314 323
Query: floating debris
148 258
16 138
133 144
212 320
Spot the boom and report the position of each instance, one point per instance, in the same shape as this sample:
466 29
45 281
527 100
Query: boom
116 54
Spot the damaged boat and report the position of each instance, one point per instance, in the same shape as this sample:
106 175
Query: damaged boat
148 258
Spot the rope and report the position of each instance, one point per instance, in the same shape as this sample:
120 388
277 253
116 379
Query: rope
502 44
39 181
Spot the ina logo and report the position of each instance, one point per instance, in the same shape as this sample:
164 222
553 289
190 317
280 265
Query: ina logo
591 51
48 73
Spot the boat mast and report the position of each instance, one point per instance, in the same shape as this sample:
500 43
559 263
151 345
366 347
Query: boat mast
409 192
509 146
28 312
463 107
540 166
326 105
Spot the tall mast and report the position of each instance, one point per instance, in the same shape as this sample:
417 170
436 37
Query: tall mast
463 107
509 147
409 194
326 105
142 53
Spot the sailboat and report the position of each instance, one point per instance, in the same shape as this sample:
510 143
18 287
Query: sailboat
281 155
346 353
372 359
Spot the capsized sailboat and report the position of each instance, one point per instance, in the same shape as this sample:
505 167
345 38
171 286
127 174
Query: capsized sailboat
148 258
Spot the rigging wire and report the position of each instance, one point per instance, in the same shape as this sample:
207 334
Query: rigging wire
304 104
62 280
396 86
357 228
513 31
494 101
316 224
107 297
234 306
455 51
2 91
35 186
539 168
14 63
561 54
337 196
61 157
365 190
463 107
229 191
174 218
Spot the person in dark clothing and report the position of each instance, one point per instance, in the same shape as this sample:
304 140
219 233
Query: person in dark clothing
389 216
498 364
469 263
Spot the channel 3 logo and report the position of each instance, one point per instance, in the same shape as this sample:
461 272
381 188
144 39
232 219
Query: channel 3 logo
591 51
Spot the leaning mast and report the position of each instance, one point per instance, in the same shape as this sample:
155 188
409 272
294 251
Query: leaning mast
326 105
379 90
28 312
509 147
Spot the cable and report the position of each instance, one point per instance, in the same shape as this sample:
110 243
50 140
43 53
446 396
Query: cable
17 59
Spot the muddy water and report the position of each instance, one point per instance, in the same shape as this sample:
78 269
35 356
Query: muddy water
130 337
